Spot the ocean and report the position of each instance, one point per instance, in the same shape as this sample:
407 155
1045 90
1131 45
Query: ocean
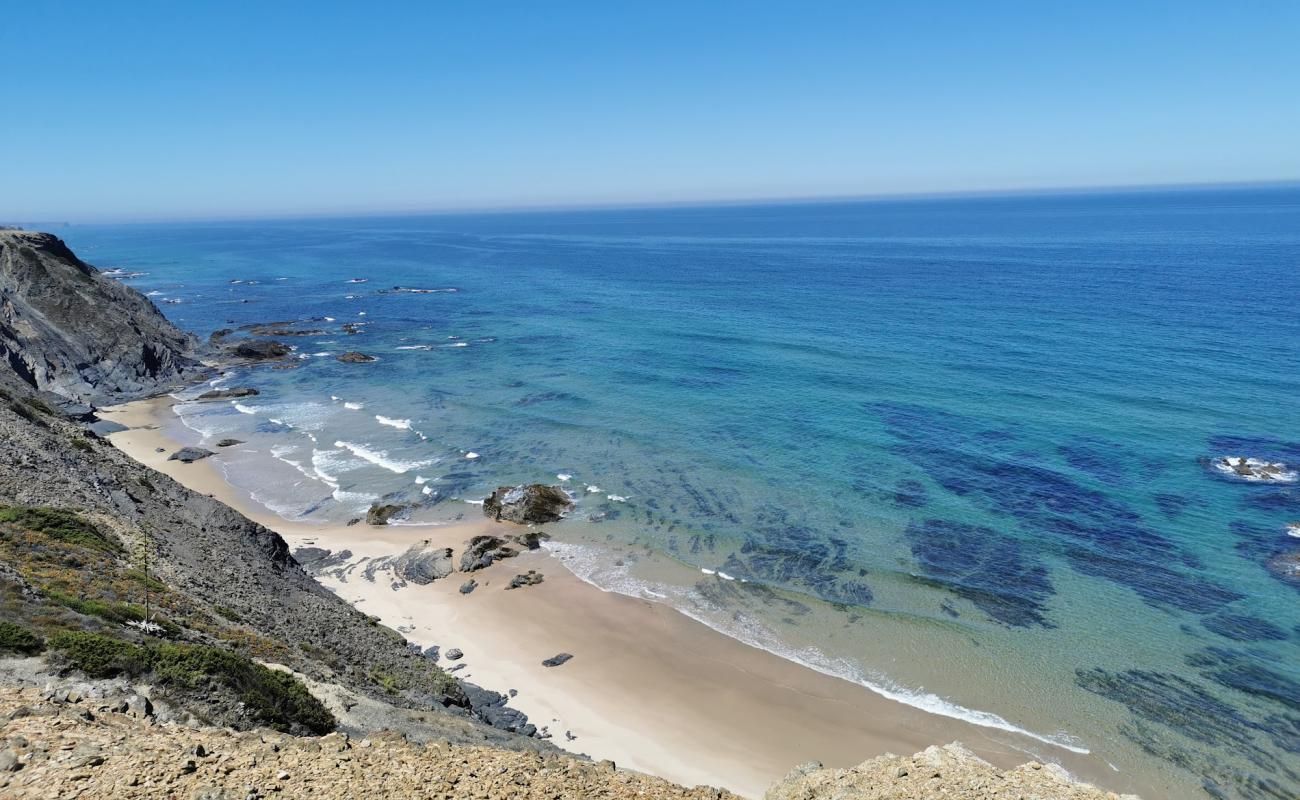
965 451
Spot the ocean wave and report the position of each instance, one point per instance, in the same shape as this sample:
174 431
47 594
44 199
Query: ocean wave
400 424
354 406
586 563
241 408
380 458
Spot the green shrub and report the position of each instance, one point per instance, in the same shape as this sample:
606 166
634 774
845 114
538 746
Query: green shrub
82 444
39 405
101 656
17 639
277 699
228 613
65 526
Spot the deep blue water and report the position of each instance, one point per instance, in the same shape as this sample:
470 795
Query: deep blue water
956 444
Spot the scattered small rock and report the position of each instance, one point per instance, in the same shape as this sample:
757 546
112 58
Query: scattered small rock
229 442
556 660
454 654
468 586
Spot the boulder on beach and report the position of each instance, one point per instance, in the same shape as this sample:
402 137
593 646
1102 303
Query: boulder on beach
482 551
261 349
226 394
188 455
530 578
468 586
229 442
524 504
556 660
379 514
353 357
423 564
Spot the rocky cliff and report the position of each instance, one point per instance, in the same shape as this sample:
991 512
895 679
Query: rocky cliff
67 328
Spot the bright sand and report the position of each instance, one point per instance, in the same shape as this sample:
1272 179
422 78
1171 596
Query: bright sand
648 687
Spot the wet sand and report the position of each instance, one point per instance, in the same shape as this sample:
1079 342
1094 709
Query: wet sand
648 687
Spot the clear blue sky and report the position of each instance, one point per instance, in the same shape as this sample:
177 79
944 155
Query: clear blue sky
116 109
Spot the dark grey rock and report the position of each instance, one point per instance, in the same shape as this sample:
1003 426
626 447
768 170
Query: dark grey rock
229 442
56 336
379 514
260 349
189 455
454 654
531 578
482 551
533 503
423 564
433 653
556 660
228 394
354 357
468 586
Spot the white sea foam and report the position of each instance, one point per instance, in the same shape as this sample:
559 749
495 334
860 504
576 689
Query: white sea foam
708 571
329 319
354 406
243 409
380 458
400 424
471 455
427 490
563 476
1293 529
1255 470
587 562
617 498
322 354
152 294
415 347
593 488
420 479
725 576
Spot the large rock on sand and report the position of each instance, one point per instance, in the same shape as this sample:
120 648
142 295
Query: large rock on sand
482 551
380 513
533 503
188 455
424 564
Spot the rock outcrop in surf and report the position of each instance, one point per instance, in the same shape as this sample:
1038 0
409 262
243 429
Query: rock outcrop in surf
527 504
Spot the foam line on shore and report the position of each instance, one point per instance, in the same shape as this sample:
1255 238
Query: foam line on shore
754 634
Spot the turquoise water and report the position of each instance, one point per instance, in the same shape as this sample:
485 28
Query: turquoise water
959 450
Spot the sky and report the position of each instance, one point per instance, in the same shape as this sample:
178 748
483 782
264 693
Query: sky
130 109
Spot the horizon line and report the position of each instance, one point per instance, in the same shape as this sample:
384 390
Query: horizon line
720 202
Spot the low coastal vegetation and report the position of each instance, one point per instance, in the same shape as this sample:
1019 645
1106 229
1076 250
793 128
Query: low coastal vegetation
101 615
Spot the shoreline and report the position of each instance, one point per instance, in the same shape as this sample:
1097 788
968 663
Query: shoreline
648 687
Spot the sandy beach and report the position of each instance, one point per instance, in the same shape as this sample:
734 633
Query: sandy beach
647 687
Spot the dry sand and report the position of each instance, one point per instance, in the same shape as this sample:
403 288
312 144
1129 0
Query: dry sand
648 687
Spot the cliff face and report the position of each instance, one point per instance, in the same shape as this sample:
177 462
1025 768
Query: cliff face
68 329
